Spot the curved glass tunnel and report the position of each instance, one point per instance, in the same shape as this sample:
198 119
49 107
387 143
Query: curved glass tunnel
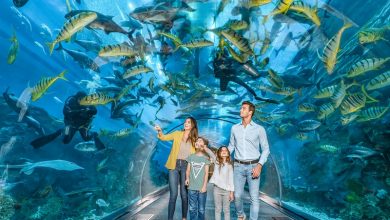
322 67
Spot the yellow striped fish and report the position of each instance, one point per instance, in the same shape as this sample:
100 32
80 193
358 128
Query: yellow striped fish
236 25
372 113
136 70
329 54
255 3
353 103
117 50
173 37
41 87
366 65
96 99
281 8
325 110
338 94
237 40
308 11
372 35
307 107
379 81
71 26
13 50
266 43
236 56
275 79
346 119
325 92
196 43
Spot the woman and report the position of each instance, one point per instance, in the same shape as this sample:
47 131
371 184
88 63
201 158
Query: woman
183 146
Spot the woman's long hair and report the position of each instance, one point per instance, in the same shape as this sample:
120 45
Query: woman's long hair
194 131
220 159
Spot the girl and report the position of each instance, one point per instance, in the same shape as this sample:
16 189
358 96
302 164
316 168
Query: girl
223 181
183 146
196 180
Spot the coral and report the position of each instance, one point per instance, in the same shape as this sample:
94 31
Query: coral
6 207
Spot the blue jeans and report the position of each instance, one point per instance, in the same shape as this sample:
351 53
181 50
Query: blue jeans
197 202
242 174
177 177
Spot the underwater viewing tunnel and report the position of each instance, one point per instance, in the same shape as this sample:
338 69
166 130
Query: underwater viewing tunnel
103 103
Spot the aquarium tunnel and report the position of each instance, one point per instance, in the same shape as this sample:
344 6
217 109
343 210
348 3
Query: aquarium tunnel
87 85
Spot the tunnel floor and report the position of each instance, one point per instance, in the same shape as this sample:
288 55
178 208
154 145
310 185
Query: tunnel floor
158 209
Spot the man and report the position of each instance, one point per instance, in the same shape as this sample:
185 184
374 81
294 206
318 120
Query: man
76 118
245 139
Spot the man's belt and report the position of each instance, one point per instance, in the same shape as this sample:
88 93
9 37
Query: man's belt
247 162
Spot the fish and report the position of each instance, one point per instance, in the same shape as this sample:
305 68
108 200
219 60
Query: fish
275 79
255 3
353 103
87 146
307 107
123 132
266 43
301 136
338 94
371 35
237 40
221 6
307 11
40 46
332 48
19 3
102 203
117 50
308 125
96 99
379 81
282 8
372 113
72 26
13 50
28 167
196 43
102 164
102 22
325 92
41 87
157 14
81 58
136 70
366 65
329 148
346 119
325 110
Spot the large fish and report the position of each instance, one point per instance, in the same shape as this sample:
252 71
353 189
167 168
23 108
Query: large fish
157 14
96 99
81 58
73 25
41 87
332 48
28 168
102 22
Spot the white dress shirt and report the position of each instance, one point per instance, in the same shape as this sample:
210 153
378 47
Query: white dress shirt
245 142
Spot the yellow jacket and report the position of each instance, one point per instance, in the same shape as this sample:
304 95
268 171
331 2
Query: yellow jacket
176 136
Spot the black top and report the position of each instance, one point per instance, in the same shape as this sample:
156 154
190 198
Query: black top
78 115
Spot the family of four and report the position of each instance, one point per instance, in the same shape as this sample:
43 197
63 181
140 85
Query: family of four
189 160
